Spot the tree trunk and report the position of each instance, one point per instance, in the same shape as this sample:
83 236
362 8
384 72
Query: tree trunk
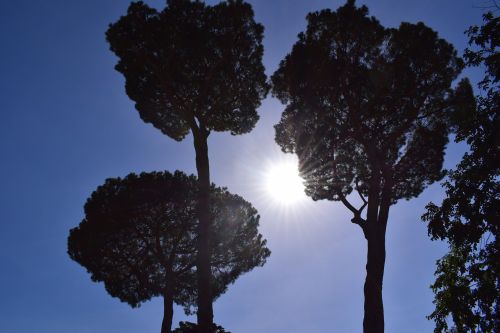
205 311
374 308
168 313
379 203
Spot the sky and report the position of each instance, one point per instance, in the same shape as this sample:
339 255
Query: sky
66 125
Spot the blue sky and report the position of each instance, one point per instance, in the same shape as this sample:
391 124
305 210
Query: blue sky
66 125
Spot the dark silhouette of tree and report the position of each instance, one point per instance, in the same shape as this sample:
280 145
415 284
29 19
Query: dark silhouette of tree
193 67
187 327
467 286
139 238
366 111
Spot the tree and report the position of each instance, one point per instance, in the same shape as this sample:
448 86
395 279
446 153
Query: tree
193 68
367 111
139 238
467 286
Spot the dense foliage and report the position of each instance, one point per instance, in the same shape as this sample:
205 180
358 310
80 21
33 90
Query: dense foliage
361 98
192 65
467 286
187 327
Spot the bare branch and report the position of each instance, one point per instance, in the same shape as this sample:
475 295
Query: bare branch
348 204
357 219
493 4
363 207
361 195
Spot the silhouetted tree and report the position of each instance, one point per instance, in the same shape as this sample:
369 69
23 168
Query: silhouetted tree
366 111
467 286
198 68
139 238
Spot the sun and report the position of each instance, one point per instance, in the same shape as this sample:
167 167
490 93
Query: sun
283 183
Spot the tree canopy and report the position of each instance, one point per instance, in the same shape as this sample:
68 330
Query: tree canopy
467 286
368 109
138 237
192 65
361 98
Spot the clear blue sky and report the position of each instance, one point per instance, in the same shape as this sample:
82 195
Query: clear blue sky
66 125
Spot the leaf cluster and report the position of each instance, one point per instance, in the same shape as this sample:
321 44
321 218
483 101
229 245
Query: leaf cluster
466 289
187 327
192 65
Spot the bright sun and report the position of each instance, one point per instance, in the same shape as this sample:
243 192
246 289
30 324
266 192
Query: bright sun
284 184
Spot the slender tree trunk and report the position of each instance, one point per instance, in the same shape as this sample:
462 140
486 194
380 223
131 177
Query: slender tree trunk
374 308
205 311
168 313
375 229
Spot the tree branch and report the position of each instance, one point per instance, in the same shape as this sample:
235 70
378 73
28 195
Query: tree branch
357 219
348 204
361 195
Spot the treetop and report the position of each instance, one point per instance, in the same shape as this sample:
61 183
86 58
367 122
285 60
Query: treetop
192 66
362 99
